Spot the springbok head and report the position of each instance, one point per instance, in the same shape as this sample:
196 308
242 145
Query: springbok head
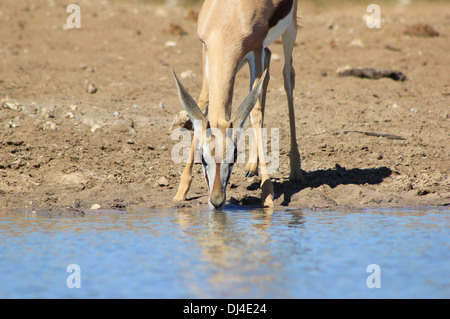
218 145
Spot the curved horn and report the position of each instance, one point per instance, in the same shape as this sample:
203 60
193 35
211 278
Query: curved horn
191 107
244 110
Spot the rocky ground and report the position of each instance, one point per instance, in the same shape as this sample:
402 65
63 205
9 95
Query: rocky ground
85 113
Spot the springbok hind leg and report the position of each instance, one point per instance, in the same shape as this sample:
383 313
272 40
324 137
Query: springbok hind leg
289 84
262 60
251 167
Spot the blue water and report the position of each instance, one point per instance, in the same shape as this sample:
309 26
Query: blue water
232 254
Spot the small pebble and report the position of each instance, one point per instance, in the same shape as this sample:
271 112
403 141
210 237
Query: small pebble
356 43
48 111
10 105
275 57
49 126
69 115
171 44
91 89
186 74
162 181
377 156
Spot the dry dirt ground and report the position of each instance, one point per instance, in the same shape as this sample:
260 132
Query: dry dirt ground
64 148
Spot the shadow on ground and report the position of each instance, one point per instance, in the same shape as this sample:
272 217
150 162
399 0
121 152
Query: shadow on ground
332 177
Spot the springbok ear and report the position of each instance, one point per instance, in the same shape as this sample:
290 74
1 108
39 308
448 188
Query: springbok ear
195 114
244 110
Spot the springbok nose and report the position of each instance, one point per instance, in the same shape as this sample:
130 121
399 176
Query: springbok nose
217 200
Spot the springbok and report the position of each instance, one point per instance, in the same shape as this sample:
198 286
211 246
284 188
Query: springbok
235 32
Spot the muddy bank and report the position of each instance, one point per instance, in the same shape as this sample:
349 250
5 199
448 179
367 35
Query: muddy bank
86 112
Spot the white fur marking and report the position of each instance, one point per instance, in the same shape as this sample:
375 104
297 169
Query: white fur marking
276 31
207 66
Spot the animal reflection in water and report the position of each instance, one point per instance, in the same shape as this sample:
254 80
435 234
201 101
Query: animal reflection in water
239 243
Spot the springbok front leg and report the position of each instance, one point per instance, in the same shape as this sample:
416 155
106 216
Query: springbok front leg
186 176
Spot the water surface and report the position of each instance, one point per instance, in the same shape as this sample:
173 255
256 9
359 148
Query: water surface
232 254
